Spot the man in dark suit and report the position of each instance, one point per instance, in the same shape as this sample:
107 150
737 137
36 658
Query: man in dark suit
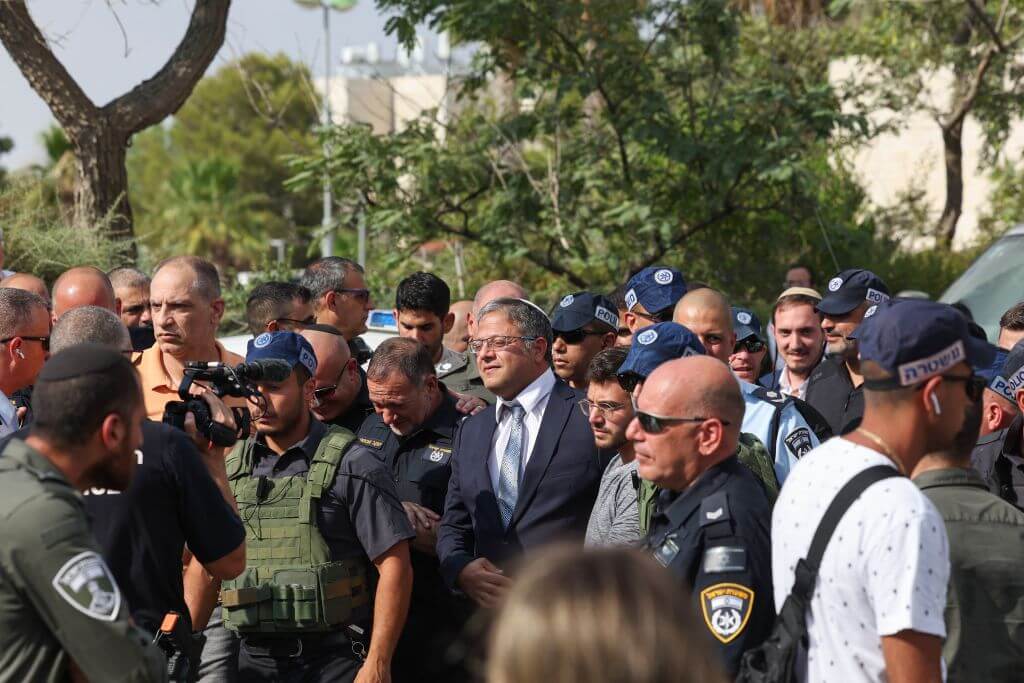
525 471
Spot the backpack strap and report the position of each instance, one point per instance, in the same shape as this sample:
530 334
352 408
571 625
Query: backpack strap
807 568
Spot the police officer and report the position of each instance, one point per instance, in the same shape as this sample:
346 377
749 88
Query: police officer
749 359
316 517
999 456
63 612
651 295
786 426
711 527
412 432
583 324
834 388
651 347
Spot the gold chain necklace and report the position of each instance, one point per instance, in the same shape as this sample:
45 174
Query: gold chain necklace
886 451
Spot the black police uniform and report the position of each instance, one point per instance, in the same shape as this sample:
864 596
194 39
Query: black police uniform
361 408
998 458
358 516
830 391
420 464
715 537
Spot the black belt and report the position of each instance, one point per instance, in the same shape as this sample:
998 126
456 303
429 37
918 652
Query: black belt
293 645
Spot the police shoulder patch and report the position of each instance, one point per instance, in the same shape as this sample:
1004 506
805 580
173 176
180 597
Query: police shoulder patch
799 442
724 559
714 508
262 340
726 608
774 397
86 584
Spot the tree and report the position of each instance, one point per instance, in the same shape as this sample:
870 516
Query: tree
646 127
100 135
908 47
249 114
6 145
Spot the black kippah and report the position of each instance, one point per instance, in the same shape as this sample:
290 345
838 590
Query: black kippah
79 360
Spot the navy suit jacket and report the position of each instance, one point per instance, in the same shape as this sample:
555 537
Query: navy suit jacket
556 494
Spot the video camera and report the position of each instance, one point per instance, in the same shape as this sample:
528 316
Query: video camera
224 380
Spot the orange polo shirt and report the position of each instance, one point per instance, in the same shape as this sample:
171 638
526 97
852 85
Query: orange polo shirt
157 388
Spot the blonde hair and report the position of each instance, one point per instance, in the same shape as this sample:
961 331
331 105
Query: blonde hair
602 615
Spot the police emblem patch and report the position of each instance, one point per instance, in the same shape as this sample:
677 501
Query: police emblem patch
799 442
664 276
86 584
743 317
834 284
647 337
726 608
630 299
871 311
567 301
262 340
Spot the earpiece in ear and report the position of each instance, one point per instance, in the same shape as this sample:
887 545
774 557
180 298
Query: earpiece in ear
20 354
936 404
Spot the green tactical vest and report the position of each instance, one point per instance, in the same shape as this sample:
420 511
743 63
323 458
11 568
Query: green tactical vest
290 584
751 453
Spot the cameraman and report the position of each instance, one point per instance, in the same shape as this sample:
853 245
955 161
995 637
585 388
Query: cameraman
179 496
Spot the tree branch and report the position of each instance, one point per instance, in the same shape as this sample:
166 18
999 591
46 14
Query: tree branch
26 45
155 99
968 99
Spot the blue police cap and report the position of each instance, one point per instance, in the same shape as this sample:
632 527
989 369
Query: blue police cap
580 308
286 346
656 344
916 340
851 288
655 288
746 324
1010 376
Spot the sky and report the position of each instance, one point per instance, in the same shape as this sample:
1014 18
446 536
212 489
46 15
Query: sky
86 37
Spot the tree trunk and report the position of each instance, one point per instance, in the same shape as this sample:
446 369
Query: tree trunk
102 188
952 141
100 135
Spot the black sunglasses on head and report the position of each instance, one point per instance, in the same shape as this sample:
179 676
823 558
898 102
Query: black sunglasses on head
628 381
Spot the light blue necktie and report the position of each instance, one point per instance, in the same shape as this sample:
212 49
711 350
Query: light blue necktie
508 476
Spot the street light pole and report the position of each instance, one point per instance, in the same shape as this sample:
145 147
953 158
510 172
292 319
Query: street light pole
327 241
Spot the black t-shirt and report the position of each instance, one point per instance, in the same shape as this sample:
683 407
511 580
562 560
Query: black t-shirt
172 501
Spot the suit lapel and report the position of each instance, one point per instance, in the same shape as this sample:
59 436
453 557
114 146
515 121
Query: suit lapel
556 414
481 438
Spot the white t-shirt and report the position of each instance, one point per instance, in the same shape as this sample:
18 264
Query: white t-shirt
885 569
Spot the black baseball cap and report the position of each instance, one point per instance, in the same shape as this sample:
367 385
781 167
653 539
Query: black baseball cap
746 324
850 289
581 308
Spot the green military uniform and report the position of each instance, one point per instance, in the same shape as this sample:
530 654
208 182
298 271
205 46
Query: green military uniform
985 600
58 599
460 374
751 453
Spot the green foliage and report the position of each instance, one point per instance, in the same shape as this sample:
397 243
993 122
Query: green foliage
56 144
1006 205
39 240
236 294
6 145
647 132
225 146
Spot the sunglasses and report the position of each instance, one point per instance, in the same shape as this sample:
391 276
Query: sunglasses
656 424
974 385
750 346
628 381
362 294
301 323
44 341
576 336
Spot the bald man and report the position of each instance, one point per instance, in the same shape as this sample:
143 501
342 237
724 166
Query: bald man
787 426
457 338
711 525
83 286
496 289
340 396
705 312
27 282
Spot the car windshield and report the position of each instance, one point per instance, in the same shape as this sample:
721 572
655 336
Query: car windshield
992 284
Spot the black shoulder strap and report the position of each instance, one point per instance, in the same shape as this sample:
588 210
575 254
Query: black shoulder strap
807 568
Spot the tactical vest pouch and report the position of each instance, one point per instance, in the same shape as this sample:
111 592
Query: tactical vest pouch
290 585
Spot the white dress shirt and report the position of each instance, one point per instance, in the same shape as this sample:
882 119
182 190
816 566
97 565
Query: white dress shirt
786 385
534 400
